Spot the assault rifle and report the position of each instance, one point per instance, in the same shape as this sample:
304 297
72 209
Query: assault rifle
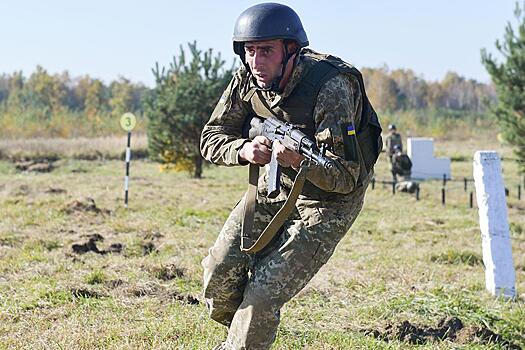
290 137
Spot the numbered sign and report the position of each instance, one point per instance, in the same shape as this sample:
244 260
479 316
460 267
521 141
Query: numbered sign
128 121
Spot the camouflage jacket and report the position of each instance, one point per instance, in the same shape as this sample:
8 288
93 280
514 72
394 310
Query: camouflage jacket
391 141
339 100
401 164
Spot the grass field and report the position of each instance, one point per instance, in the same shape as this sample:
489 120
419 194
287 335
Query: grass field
77 273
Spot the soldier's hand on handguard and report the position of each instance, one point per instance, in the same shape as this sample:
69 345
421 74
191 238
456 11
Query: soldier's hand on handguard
257 151
286 157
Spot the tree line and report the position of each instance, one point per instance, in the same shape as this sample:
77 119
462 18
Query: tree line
56 92
45 104
402 89
389 91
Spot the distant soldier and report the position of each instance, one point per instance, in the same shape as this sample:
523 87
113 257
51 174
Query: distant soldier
401 164
402 167
393 139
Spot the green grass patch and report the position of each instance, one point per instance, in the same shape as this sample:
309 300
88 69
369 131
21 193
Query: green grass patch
96 277
457 257
517 229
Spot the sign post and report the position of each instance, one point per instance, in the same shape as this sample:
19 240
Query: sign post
127 122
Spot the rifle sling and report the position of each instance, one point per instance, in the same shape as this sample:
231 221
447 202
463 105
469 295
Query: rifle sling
277 221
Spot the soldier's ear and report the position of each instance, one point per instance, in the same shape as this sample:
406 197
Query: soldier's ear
291 46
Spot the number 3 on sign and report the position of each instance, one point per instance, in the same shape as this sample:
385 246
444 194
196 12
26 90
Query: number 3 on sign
128 121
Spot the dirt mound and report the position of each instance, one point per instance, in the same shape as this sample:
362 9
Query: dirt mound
115 248
91 246
55 190
483 335
96 237
152 235
115 283
145 289
451 328
185 298
153 289
148 248
36 166
86 204
168 272
85 293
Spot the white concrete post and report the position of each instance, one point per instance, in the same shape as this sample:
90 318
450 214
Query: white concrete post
495 236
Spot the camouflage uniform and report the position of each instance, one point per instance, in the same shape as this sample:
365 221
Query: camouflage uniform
391 141
401 165
246 291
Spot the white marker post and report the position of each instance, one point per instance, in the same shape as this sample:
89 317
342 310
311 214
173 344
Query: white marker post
492 204
127 122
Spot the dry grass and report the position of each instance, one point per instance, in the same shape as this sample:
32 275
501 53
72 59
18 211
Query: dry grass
109 147
403 260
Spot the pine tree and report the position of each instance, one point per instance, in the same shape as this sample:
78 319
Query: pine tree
181 103
509 79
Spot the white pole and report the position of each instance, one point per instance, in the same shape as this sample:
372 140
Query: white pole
126 179
496 244
127 122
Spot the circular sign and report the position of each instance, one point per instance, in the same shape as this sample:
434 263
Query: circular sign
128 121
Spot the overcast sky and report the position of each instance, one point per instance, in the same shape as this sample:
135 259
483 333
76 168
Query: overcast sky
106 39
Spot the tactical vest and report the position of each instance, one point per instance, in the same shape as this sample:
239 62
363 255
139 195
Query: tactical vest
298 107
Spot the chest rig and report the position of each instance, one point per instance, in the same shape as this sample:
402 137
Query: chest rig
298 107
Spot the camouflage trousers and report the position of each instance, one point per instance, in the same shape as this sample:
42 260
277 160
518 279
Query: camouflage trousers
245 292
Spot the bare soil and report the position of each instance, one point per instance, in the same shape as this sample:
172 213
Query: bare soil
451 329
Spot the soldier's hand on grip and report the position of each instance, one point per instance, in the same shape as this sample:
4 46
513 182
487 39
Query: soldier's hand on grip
286 157
257 151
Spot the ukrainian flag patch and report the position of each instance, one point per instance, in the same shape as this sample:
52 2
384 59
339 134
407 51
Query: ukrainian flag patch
349 142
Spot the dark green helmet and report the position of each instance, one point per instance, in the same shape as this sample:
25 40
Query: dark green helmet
267 21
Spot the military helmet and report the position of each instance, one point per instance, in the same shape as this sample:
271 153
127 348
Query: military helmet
392 127
267 21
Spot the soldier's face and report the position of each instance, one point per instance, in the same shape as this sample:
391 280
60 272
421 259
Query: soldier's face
265 60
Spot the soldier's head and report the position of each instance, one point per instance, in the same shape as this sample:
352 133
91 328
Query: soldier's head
266 36
392 128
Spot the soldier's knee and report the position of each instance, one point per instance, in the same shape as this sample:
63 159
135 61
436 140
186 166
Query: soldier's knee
221 312
262 302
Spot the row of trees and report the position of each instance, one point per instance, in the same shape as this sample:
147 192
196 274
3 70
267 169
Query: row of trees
400 89
54 93
390 90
